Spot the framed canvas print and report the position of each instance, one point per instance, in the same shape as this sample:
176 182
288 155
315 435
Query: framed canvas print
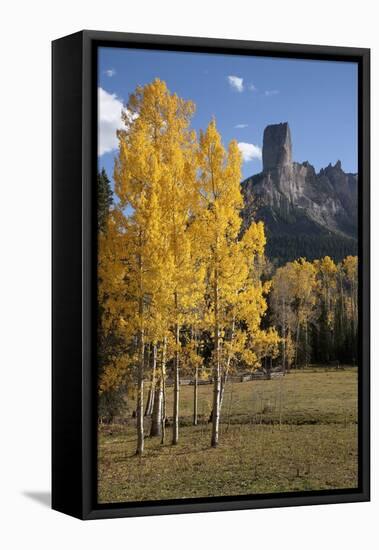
210 275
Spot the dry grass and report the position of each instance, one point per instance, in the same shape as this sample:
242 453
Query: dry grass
292 434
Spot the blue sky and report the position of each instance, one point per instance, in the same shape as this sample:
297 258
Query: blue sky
245 94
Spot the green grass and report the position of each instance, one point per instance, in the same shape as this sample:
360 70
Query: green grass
292 434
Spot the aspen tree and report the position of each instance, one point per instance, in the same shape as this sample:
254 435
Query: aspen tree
137 174
177 197
219 227
350 268
155 177
326 297
281 300
306 298
114 364
247 306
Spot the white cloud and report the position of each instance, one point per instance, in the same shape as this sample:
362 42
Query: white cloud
110 72
241 126
109 120
269 93
249 151
252 88
236 82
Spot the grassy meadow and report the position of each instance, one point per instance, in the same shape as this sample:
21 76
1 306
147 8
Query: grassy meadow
295 433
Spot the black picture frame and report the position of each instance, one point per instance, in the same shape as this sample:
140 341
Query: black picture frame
74 133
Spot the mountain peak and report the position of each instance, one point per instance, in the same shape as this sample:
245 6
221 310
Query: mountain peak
305 214
277 146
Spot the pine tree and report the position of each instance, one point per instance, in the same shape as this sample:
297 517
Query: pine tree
104 199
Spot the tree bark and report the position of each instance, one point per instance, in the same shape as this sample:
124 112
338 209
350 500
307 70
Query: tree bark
156 419
224 374
195 397
175 419
140 374
163 383
297 344
140 432
151 396
216 374
223 381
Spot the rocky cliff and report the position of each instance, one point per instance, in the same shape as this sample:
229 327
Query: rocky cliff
305 213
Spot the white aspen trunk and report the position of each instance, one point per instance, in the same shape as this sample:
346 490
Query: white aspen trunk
156 419
140 432
223 381
216 374
152 392
283 336
175 419
354 305
163 383
297 343
195 396
141 345
148 407
149 401
224 375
